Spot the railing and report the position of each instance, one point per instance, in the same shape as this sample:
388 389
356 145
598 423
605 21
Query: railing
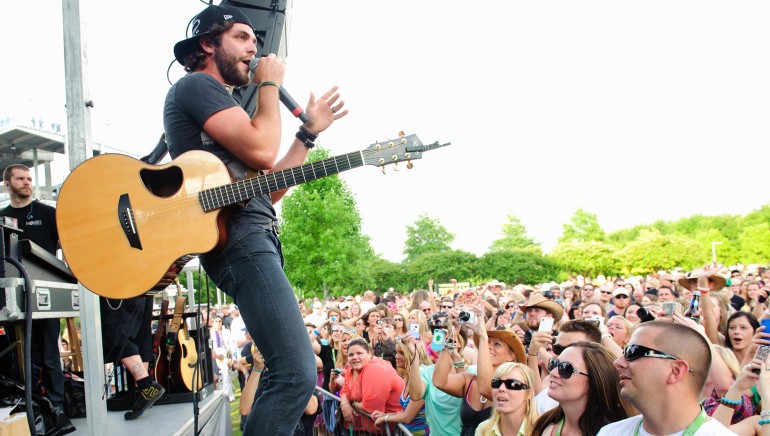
357 427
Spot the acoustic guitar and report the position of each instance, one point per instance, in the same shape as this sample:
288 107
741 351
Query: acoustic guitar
116 214
182 350
159 366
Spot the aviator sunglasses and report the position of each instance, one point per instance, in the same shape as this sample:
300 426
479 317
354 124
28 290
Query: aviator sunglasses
566 369
510 384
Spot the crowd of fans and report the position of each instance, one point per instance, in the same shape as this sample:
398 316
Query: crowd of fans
665 353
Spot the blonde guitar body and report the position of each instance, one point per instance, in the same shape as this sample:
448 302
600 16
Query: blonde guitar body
122 223
183 362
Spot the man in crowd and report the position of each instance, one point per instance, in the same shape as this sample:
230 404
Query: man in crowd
605 295
537 308
664 381
620 299
666 293
587 294
368 301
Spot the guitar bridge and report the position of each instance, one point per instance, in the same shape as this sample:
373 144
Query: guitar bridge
127 222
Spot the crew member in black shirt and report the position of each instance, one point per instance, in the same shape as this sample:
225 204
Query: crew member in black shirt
38 224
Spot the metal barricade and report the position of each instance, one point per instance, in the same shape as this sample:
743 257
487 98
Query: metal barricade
357 428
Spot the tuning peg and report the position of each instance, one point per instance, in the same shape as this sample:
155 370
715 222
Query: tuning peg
383 170
401 134
409 165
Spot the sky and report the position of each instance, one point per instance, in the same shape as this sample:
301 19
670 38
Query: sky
633 111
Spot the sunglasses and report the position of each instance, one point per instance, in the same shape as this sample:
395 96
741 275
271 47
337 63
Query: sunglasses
621 297
566 369
510 306
426 310
558 349
447 306
606 292
634 351
398 319
510 384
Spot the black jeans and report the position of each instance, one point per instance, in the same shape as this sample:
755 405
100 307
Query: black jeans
251 271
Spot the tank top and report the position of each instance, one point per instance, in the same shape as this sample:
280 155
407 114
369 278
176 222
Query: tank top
472 418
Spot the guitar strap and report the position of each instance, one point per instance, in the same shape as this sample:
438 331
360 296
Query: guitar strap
175 323
159 331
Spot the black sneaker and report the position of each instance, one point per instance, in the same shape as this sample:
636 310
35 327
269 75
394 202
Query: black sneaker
63 423
145 398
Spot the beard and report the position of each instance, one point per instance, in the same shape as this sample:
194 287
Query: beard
229 67
23 192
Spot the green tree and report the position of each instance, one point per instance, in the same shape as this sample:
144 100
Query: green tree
653 251
755 244
386 274
517 266
728 249
442 266
514 237
427 235
321 235
583 226
587 258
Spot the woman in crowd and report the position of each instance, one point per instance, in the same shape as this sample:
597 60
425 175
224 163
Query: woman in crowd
620 328
330 350
224 350
748 379
649 299
370 384
592 309
631 314
495 347
514 405
360 327
715 311
417 316
586 384
355 311
741 327
402 324
413 415
575 310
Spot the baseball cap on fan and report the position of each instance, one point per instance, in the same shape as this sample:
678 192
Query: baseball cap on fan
202 24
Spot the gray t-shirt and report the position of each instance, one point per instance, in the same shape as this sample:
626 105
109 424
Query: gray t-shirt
189 103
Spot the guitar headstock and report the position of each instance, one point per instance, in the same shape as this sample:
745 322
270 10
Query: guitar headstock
405 148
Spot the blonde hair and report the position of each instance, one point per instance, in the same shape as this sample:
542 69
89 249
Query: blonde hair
730 360
342 358
530 408
422 357
628 327
421 319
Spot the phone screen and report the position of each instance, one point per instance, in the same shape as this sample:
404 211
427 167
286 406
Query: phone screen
414 330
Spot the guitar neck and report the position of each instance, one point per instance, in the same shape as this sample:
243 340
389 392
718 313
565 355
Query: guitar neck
226 195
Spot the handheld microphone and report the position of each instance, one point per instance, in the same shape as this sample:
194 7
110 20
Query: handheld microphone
286 99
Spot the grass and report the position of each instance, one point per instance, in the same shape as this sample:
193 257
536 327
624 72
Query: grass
235 413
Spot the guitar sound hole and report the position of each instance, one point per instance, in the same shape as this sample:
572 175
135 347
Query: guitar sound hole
163 182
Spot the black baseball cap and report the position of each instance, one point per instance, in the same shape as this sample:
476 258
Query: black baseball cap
202 24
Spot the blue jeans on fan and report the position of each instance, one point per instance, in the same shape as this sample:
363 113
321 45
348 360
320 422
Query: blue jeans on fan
251 271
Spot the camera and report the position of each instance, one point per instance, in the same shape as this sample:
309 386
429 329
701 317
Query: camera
548 295
379 322
500 312
645 315
527 338
467 317
337 371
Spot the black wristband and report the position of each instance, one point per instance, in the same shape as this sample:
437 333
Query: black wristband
306 137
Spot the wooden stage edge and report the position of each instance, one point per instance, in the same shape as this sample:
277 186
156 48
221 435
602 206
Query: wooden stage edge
169 419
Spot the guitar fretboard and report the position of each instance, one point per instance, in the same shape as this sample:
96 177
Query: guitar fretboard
225 195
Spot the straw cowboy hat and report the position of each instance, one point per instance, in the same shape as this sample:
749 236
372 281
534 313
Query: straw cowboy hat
511 339
690 280
539 300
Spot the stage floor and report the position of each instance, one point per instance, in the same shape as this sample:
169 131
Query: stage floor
168 419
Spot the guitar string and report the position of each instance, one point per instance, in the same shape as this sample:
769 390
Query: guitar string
214 197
